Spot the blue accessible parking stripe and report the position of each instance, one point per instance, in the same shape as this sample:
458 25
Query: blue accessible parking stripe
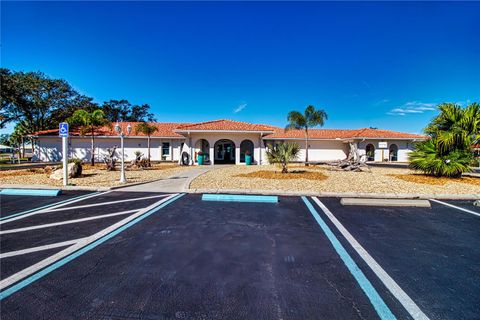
381 308
239 198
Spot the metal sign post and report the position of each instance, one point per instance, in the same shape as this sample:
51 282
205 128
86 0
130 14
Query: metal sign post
63 132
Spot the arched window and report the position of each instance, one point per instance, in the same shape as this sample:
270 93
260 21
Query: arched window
245 146
370 152
393 152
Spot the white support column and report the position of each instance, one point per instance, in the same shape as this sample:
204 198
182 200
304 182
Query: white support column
237 154
192 162
171 150
260 149
212 154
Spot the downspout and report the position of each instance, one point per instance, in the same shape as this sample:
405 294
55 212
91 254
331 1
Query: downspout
260 149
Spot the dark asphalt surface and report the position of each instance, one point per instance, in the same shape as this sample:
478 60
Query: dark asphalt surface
14 204
465 205
39 237
433 254
225 260
204 260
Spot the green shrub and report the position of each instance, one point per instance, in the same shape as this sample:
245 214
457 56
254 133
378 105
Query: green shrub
428 159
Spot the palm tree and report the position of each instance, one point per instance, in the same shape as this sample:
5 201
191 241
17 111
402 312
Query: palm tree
89 122
427 158
448 152
309 119
456 127
283 153
147 129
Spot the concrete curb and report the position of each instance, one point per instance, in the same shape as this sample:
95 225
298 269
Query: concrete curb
44 187
342 194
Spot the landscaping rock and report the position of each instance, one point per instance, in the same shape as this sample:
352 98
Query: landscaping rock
71 169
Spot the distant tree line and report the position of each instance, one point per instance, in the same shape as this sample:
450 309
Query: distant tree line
35 102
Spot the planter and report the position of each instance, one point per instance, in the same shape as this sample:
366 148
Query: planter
248 159
200 159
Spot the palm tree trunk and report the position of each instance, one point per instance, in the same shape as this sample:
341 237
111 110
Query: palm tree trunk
284 167
306 147
148 147
93 148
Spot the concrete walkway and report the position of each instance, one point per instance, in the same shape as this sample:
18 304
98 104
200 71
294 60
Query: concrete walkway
176 183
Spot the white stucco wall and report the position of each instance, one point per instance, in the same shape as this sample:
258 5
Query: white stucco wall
404 148
50 148
320 150
212 138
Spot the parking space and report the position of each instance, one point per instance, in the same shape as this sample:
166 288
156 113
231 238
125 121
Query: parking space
36 236
11 205
431 253
172 256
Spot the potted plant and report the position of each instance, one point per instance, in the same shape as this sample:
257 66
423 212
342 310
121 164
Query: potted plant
248 158
200 158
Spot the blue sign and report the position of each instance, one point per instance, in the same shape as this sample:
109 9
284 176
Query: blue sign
63 129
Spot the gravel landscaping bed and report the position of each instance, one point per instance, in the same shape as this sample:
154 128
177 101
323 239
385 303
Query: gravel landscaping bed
91 176
379 180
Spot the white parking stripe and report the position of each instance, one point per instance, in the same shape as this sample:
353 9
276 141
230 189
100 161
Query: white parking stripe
391 285
455 207
48 225
39 248
4 283
56 206
107 203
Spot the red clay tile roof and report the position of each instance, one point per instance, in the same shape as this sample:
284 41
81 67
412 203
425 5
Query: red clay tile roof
378 133
165 129
225 125
342 134
172 130
312 134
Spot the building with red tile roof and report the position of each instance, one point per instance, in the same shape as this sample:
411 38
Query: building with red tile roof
227 141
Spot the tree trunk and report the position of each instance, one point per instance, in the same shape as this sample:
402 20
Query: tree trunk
148 147
23 147
284 168
92 160
306 147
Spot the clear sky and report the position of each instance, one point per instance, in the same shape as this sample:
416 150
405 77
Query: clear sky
380 64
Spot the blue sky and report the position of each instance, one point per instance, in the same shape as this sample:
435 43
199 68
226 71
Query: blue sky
381 64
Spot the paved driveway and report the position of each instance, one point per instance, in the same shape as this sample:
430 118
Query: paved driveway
128 255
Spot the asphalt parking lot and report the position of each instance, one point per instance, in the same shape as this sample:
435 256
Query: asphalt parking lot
126 255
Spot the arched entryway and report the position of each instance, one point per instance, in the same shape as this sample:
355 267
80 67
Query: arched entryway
224 151
393 152
204 146
370 152
246 146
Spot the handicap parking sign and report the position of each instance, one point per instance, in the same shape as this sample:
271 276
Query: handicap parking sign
63 129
